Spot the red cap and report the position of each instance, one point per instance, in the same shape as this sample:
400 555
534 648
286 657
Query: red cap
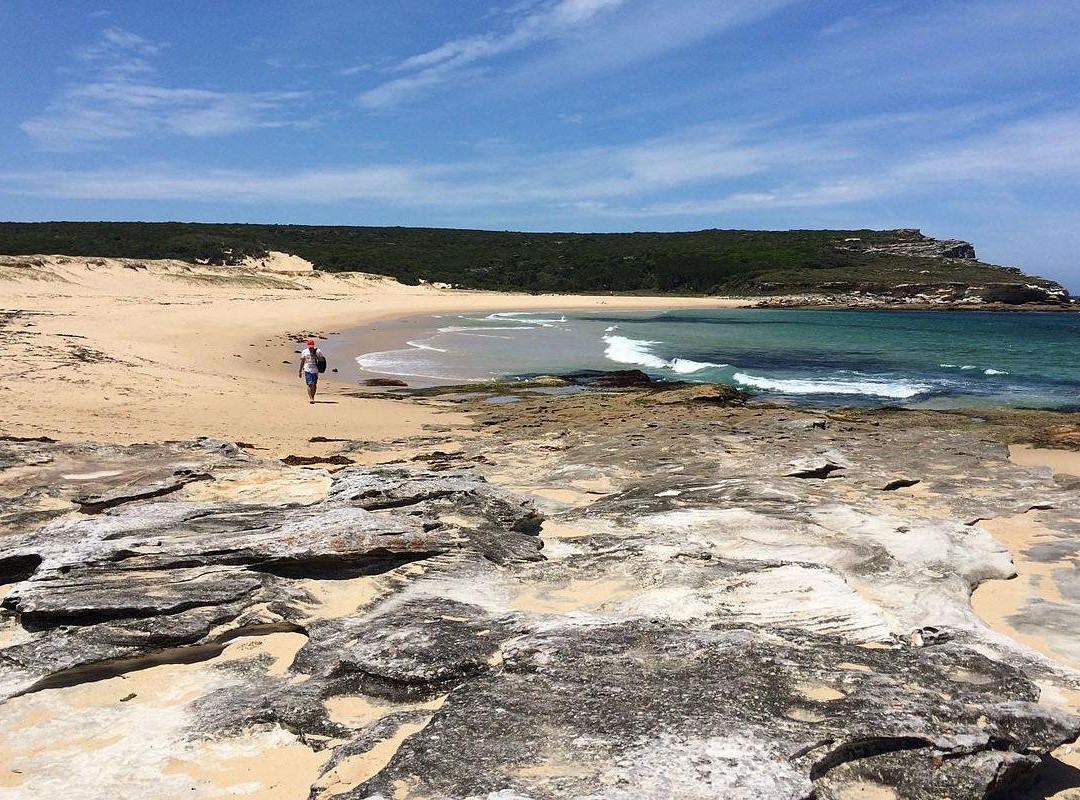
310 342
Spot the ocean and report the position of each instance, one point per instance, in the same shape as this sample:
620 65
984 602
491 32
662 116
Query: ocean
820 358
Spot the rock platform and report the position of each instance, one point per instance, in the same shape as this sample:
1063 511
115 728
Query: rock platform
600 597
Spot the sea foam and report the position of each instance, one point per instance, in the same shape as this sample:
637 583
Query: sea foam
625 350
522 316
422 346
632 351
897 390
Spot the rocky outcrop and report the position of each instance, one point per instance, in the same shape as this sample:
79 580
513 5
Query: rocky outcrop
911 242
709 601
945 295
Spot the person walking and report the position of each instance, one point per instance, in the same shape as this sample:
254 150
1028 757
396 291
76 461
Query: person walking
312 362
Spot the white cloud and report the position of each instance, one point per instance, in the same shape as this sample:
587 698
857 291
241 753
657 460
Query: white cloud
451 59
641 32
853 22
585 37
356 69
702 171
122 99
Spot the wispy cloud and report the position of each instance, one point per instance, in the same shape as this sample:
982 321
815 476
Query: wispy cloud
704 171
582 38
853 22
122 98
355 69
453 59
641 32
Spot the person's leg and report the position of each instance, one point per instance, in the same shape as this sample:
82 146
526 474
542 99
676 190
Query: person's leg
313 387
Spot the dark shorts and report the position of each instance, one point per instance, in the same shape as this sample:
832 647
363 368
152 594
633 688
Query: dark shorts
311 378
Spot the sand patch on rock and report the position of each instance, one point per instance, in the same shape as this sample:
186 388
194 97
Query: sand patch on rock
1065 462
578 595
1001 604
263 487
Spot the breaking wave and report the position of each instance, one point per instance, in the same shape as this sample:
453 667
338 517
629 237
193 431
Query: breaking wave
522 316
422 346
684 366
624 350
464 328
896 390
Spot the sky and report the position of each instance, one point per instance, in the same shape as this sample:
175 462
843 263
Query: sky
959 117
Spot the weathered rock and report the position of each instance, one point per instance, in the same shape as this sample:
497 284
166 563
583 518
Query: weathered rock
713 394
115 585
695 622
637 710
615 379
413 649
92 504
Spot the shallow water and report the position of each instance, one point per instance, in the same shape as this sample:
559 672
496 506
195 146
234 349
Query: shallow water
912 358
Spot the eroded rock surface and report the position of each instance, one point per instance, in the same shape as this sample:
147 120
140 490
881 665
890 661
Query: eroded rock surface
596 599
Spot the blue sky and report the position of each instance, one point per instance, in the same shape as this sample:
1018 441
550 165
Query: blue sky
958 117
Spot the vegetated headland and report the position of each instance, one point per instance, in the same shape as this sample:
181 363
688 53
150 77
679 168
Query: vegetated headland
799 267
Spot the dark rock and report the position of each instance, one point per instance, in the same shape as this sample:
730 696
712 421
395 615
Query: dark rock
900 483
813 468
305 461
613 379
658 711
412 650
383 382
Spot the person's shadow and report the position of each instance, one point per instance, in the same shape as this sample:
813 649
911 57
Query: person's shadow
326 402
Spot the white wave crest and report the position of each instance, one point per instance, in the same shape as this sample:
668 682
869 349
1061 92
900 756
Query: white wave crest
462 328
897 390
994 372
422 346
625 350
632 351
521 316
684 366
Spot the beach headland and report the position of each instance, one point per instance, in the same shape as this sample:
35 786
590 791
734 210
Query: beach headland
641 590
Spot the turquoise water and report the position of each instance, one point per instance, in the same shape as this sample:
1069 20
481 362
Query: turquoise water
926 359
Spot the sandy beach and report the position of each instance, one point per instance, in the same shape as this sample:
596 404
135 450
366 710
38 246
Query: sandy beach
125 351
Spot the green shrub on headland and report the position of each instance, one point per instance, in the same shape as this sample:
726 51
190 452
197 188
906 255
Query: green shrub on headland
699 262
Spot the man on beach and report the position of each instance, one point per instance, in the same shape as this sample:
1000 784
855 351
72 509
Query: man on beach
309 368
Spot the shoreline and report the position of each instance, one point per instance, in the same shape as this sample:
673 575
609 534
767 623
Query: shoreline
384 339
123 350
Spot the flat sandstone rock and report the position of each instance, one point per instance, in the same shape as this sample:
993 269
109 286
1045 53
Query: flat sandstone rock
742 606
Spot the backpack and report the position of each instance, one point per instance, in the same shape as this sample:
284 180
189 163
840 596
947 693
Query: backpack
320 361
